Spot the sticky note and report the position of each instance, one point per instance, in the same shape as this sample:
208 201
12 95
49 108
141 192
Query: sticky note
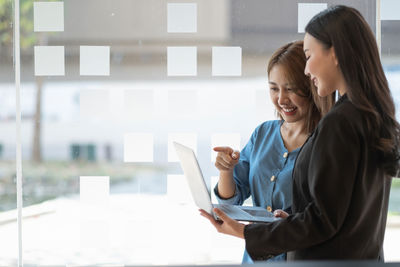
390 10
182 17
49 61
48 16
139 104
226 61
182 61
306 11
182 103
95 60
94 103
138 147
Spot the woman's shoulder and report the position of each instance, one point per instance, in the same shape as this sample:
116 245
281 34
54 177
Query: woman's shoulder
268 126
345 114
266 133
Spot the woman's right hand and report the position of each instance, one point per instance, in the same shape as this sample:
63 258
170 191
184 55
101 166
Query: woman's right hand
226 159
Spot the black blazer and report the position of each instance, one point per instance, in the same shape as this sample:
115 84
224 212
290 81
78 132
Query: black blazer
340 196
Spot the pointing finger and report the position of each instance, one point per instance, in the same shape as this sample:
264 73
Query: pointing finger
224 149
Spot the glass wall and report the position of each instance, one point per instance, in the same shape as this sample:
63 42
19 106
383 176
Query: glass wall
8 213
390 26
107 86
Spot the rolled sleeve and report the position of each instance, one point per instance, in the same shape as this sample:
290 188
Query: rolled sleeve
234 200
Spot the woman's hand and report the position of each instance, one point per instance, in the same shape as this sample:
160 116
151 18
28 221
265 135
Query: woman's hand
227 158
280 214
225 224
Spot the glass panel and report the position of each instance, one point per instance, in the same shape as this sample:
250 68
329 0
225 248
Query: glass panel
8 198
391 62
106 85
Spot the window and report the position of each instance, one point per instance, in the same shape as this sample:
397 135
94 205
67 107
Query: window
106 86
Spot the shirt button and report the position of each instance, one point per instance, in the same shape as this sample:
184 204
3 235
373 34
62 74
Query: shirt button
285 155
269 209
273 178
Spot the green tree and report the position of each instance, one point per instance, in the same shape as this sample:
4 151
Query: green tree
27 37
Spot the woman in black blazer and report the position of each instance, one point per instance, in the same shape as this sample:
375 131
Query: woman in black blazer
342 176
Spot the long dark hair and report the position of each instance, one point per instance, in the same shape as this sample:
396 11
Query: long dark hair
344 29
293 61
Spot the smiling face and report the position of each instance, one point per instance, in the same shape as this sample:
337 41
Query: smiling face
322 67
290 106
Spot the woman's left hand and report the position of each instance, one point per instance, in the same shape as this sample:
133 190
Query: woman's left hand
225 224
281 214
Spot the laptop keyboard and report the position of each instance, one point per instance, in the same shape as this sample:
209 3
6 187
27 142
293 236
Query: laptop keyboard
233 211
263 213
246 213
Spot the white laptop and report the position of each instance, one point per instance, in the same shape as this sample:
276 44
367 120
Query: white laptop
201 195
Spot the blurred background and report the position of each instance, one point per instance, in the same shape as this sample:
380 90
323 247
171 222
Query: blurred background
116 126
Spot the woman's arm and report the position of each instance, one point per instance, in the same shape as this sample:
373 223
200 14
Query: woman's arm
225 162
332 161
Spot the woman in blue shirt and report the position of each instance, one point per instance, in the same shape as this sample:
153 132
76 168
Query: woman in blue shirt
263 169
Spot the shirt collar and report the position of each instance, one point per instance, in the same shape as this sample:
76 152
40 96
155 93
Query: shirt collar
341 99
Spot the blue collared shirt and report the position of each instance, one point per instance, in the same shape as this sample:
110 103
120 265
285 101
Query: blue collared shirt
264 172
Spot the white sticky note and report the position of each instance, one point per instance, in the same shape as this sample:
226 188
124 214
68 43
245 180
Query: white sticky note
139 104
306 11
182 103
138 147
187 139
94 234
95 60
49 61
178 189
214 181
390 10
226 61
94 190
224 139
182 61
182 17
48 16
94 103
